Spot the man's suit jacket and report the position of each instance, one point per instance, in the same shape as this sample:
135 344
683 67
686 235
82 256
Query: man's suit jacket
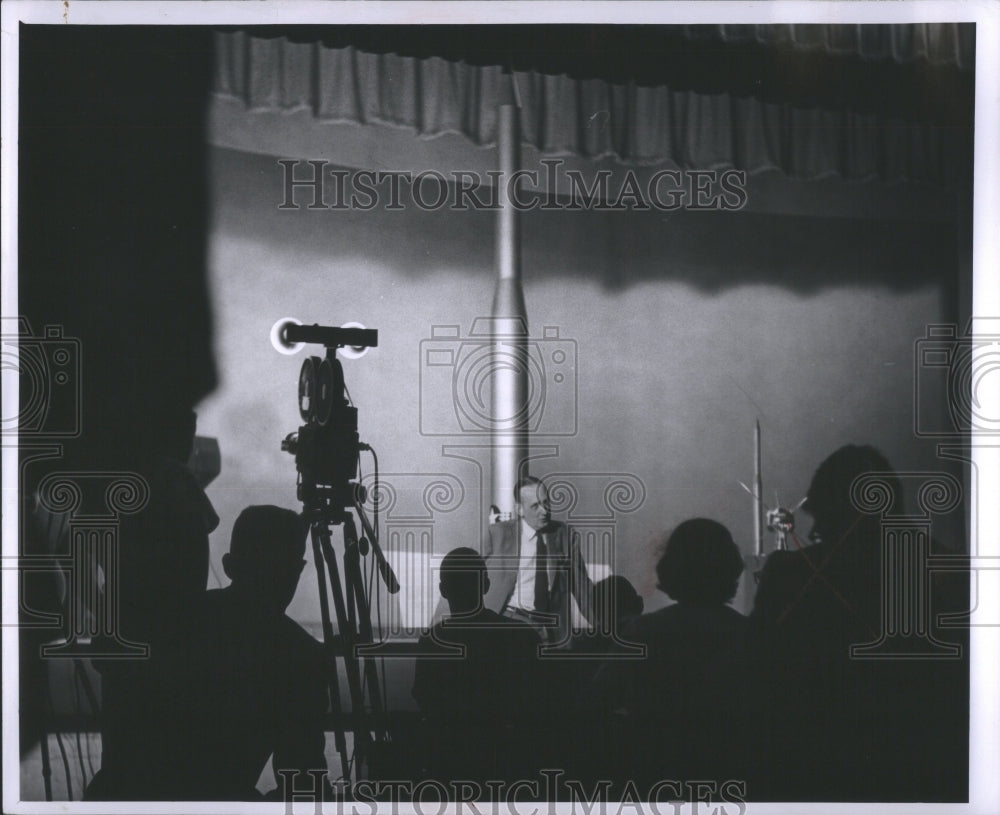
567 573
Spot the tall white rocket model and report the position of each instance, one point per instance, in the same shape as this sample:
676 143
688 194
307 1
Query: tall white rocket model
509 363
758 494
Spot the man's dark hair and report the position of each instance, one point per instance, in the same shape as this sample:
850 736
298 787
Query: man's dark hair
522 482
262 529
700 564
462 565
463 578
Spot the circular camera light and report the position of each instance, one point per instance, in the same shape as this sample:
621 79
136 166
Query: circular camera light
307 388
324 392
352 351
279 340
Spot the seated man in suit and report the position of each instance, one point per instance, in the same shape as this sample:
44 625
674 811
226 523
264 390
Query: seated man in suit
476 676
258 679
536 567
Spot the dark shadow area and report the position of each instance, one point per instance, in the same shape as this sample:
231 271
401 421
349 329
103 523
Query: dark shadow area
477 682
112 226
113 221
853 689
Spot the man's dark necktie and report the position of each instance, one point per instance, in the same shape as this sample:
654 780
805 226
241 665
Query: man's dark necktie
541 575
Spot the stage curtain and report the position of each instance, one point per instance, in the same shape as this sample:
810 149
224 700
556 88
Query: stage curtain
688 126
938 43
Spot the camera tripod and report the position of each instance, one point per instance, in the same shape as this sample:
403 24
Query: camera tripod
327 451
354 627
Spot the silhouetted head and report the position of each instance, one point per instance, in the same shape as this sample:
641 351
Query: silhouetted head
616 596
829 496
177 438
265 556
464 580
700 564
532 502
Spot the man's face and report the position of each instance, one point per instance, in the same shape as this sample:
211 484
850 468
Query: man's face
534 506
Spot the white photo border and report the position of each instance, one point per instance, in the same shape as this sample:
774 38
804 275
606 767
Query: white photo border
985 641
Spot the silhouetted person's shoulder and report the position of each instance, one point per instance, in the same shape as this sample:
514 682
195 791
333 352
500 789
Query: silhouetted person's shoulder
826 587
300 641
486 634
699 568
481 665
487 620
259 678
475 679
682 643
784 576
683 620
232 633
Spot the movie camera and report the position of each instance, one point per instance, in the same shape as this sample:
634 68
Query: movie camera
326 447
327 453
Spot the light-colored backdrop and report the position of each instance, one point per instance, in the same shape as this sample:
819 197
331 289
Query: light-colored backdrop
686 327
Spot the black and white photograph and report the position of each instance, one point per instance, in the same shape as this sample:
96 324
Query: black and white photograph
523 407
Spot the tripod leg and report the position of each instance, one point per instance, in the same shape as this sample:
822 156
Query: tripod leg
348 637
328 642
355 585
46 764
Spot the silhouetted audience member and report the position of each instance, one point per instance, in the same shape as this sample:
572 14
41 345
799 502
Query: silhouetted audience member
677 699
258 678
476 678
826 725
159 582
571 737
616 605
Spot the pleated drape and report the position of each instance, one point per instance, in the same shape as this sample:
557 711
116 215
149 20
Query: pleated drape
638 124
